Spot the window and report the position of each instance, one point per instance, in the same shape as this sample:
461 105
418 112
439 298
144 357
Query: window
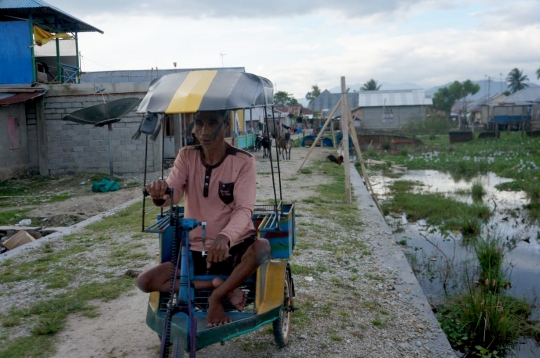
388 115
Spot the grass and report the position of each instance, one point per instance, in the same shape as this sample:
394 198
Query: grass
435 208
52 269
11 217
482 315
477 191
512 156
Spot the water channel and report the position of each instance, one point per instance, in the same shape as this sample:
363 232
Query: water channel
429 254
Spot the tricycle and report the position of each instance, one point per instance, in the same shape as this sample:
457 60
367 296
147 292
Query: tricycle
179 316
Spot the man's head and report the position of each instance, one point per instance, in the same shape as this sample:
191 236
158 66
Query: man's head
210 128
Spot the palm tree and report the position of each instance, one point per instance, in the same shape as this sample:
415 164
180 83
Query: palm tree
515 80
538 73
370 85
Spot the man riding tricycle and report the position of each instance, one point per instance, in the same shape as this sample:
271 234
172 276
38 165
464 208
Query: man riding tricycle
221 271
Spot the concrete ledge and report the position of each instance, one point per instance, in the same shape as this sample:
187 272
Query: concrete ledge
390 256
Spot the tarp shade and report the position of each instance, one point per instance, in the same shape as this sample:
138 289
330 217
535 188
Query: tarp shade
41 37
190 92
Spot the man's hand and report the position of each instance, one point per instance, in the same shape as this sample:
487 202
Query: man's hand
219 251
156 190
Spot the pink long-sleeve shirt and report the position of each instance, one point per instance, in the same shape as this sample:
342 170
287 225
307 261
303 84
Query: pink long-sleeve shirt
223 195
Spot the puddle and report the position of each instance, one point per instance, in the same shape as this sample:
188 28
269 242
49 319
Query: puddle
522 241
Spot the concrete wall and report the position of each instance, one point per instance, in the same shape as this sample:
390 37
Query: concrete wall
72 147
13 143
392 118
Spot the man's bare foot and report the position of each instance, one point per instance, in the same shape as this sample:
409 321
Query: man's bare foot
216 314
236 297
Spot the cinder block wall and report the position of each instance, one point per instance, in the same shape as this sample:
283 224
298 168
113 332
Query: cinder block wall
74 148
372 117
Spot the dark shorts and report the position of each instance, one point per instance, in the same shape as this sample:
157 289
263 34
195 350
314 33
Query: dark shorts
225 267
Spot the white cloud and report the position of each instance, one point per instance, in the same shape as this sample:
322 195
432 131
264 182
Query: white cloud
240 8
425 42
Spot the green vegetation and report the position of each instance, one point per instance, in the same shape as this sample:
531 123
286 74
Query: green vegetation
479 316
477 191
482 315
11 217
512 156
430 126
435 208
54 266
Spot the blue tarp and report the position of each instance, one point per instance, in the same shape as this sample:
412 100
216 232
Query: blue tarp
105 185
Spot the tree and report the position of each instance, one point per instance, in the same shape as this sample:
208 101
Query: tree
315 92
515 80
462 90
445 97
282 98
370 85
538 73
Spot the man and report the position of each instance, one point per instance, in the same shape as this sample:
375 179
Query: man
219 184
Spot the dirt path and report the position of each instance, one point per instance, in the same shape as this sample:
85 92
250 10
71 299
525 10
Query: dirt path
361 303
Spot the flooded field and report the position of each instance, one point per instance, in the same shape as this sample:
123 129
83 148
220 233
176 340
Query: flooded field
443 264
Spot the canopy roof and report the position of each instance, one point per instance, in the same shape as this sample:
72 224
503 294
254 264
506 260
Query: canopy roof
194 91
44 15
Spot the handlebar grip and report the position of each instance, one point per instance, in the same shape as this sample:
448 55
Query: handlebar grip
145 192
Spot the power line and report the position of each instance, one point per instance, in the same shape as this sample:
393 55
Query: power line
97 63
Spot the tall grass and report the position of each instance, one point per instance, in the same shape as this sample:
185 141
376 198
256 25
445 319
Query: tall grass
477 191
482 317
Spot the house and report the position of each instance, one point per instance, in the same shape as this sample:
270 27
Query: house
389 110
479 111
325 103
39 87
39 43
32 32
515 110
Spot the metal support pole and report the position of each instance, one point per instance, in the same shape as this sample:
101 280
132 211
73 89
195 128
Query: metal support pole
109 126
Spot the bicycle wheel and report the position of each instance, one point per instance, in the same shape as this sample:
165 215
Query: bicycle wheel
282 325
178 347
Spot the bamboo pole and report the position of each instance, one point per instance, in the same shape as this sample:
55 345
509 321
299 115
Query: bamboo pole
329 119
365 175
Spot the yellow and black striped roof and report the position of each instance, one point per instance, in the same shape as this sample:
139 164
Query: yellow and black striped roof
194 91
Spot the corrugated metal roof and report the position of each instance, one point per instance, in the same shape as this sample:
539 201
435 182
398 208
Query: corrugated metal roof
7 99
412 97
525 96
49 17
142 75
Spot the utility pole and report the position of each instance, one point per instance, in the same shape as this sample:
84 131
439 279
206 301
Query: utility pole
222 54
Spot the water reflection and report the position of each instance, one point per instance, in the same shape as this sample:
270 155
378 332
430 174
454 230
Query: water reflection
430 254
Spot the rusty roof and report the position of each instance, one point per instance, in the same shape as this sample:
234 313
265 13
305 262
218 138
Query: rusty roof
10 98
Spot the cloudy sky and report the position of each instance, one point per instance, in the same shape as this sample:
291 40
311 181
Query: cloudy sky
299 43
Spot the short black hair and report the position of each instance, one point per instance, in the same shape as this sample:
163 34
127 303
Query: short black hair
223 113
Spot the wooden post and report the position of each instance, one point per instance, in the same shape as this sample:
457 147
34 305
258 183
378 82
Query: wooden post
365 175
345 141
